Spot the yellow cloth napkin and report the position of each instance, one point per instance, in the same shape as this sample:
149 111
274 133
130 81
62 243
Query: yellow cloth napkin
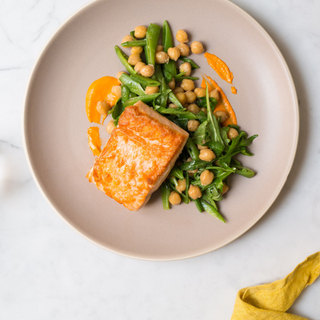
271 301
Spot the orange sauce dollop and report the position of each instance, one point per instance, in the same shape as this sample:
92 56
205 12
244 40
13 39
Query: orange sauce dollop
94 140
221 68
223 103
100 90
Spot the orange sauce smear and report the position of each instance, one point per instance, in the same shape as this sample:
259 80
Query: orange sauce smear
223 103
100 90
221 68
94 140
233 90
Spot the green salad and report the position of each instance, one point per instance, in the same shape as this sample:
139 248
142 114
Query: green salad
209 156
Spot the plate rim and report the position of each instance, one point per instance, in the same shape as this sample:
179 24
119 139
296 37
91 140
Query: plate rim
141 256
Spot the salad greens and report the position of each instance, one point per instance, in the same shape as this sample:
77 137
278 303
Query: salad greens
210 133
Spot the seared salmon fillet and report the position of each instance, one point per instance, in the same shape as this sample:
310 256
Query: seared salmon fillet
138 156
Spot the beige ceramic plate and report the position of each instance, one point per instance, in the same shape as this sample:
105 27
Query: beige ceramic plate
55 125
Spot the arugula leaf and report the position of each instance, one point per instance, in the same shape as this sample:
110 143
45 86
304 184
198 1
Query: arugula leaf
200 133
117 109
224 134
213 125
212 194
216 147
202 102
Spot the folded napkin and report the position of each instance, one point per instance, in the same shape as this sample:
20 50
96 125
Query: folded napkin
271 301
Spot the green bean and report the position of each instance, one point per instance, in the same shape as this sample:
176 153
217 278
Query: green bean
192 149
165 193
174 99
134 86
179 77
124 93
132 95
146 98
212 210
132 34
163 98
145 82
167 38
152 38
169 69
136 43
124 60
174 181
199 205
193 64
187 188
176 172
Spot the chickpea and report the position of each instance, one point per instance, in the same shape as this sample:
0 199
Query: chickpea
174 198
103 107
159 48
197 47
206 177
178 90
127 38
200 92
147 71
193 108
134 59
181 97
184 49
194 192
214 94
174 53
193 125
151 90
191 96
139 66
200 147
185 67
204 110
162 57
232 133
187 84
173 106
172 83
182 36
207 155
119 75
140 32
221 115
136 50
182 185
225 188
116 90
110 126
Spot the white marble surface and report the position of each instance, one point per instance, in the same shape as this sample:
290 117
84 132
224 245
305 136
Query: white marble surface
47 271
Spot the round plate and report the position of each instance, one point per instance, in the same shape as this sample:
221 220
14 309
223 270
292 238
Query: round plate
55 125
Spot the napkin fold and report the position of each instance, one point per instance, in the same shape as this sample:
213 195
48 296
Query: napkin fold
271 301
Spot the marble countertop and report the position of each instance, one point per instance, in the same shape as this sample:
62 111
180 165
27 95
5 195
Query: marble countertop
47 271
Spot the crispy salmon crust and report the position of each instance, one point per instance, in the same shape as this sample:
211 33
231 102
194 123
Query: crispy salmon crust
138 156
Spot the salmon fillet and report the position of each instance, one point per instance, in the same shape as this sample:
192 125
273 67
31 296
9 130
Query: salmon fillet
138 156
